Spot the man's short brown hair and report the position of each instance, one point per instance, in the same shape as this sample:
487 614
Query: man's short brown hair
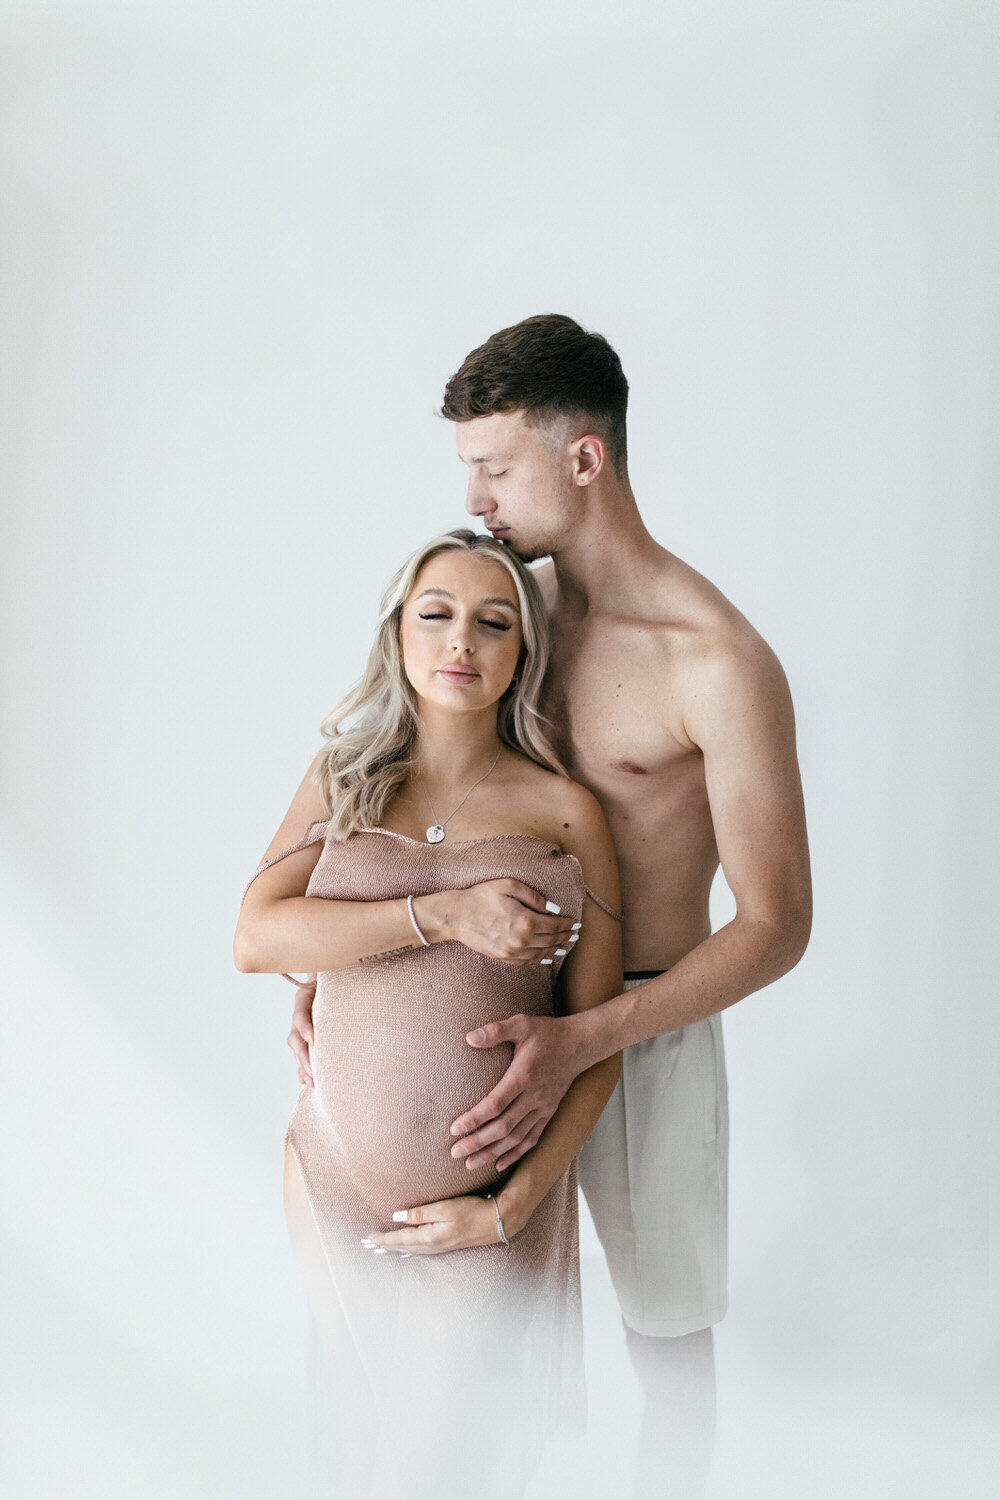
546 366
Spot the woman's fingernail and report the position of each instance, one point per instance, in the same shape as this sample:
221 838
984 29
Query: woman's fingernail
561 952
545 960
399 1217
367 1244
552 907
574 937
577 926
381 1250
406 1255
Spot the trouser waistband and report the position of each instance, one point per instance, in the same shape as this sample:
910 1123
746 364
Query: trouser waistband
635 974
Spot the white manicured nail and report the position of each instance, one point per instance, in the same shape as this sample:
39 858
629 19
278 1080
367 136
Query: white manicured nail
367 1244
577 926
574 937
561 952
406 1255
552 907
381 1250
545 960
399 1217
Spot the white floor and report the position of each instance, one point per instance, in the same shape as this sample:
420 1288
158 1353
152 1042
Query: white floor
782 1434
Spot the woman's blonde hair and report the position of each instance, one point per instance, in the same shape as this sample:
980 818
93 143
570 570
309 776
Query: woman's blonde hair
369 758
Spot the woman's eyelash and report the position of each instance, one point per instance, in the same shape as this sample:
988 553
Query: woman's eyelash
493 624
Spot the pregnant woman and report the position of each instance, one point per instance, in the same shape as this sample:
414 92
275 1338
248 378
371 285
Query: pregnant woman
434 831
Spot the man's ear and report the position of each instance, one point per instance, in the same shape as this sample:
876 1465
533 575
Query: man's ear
588 455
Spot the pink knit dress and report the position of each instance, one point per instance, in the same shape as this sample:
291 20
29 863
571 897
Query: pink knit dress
392 1070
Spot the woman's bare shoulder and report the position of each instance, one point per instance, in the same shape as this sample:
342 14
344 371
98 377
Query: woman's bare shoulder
561 809
308 806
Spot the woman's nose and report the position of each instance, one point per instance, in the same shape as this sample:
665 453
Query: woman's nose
461 637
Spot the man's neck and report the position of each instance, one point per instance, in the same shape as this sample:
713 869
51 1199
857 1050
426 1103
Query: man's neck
610 555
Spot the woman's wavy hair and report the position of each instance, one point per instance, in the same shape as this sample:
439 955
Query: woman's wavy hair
373 729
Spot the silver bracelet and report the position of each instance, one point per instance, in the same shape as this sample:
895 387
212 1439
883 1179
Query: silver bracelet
503 1238
416 924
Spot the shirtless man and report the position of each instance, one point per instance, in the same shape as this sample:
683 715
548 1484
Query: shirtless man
677 715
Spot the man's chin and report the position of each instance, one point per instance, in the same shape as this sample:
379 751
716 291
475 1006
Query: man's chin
524 550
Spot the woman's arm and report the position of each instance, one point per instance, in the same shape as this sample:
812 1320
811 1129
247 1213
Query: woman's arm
591 974
281 929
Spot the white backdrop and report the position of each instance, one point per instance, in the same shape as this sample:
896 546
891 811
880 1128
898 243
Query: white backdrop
246 246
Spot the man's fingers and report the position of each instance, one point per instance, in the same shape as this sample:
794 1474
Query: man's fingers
302 1010
495 1142
301 1052
505 1125
494 1104
509 1155
514 1029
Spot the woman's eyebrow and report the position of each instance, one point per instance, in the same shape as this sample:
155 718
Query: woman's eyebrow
499 599
493 598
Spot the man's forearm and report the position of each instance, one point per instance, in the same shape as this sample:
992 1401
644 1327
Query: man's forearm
740 958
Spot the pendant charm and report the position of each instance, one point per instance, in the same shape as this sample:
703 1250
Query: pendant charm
435 833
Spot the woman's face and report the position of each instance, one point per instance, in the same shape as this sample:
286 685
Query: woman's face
461 631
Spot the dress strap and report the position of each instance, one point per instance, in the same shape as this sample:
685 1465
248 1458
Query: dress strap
314 834
616 916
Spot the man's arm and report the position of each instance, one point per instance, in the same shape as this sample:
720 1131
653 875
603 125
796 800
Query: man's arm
739 715
741 719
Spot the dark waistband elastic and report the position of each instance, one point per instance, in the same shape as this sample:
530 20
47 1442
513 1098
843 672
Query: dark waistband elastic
644 973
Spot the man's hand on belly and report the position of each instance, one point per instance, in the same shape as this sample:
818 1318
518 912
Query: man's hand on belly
510 1120
300 1038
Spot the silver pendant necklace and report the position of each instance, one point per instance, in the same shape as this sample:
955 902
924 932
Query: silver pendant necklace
435 833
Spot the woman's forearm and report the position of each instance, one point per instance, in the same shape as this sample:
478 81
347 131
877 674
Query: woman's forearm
559 1144
314 934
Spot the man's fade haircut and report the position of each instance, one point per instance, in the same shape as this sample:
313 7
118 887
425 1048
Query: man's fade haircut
547 367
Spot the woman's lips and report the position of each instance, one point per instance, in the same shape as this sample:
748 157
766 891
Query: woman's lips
457 674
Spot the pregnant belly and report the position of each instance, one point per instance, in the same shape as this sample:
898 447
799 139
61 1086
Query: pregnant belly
389 1081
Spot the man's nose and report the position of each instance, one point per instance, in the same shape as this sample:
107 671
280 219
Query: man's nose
478 500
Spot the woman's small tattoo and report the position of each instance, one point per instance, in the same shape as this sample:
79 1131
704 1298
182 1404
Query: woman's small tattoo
387 953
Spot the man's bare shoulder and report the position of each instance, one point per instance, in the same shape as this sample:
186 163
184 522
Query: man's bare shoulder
715 657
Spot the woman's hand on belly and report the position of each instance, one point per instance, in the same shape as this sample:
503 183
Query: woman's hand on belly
434 1228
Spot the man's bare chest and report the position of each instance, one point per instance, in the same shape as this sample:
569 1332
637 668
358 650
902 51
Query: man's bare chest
613 702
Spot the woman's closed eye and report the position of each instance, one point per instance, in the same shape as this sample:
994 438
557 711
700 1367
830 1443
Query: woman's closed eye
493 624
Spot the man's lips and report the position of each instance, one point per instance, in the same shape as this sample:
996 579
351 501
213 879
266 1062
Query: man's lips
457 674
498 530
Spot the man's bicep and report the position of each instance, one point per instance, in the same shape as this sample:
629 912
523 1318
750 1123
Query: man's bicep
745 728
